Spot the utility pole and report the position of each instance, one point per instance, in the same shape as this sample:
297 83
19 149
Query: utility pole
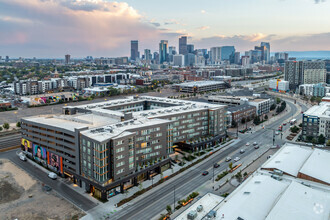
273 137
213 172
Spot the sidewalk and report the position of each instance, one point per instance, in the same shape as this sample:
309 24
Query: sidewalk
107 209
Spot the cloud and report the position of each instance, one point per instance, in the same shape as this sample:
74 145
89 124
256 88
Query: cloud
203 11
51 28
155 24
203 28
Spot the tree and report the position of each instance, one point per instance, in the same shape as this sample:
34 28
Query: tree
328 143
6 126
321 139
272 107
278 100
230 165
234 124
313 98
266 117
309 138
243 120
256 120
318 100
314 141
18 124
1 128
169 209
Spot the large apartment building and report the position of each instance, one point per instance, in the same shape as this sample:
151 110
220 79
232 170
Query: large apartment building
304 72
110 146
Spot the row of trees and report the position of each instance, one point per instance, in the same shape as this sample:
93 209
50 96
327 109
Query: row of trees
319 140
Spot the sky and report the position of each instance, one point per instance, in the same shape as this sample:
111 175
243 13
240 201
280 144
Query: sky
53 28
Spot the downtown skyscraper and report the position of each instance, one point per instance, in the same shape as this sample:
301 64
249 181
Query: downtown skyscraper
183 45
163 55
134 50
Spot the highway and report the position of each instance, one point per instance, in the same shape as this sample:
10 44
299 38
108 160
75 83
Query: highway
153 204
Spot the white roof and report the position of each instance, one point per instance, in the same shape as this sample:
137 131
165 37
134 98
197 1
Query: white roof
318 110
301 202
252 200
317 165
289 159
200 83
208 201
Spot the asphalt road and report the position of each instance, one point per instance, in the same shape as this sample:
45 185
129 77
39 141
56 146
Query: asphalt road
57 185
153 204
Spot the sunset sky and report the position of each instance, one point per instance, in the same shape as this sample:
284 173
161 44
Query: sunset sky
52 28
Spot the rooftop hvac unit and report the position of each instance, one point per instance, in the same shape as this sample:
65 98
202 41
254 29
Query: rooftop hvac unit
192 215
199 208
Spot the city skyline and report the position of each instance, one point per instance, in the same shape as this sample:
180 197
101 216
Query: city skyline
36 28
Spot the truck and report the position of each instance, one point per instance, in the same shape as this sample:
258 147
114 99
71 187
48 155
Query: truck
293 121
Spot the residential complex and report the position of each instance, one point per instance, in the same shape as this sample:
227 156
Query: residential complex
304 72
110 146
316 121
318 90
278 85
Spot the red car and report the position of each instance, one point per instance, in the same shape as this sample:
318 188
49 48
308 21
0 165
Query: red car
284 124
205 173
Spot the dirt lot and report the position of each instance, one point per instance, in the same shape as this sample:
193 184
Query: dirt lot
22 197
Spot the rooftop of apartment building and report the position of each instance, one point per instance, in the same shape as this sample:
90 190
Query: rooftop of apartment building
318 110
102 123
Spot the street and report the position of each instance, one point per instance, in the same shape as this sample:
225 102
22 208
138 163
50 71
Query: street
61 188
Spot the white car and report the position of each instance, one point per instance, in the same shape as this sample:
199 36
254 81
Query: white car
237 159
22 157
277 133
247 144
228 159
52 175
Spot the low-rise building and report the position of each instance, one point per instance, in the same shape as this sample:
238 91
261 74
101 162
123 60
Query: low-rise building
239 112
200 86
262 105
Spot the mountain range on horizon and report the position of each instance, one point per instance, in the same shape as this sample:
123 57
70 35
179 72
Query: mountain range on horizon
320 54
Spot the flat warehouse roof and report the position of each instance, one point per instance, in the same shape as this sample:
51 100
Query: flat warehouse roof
289 159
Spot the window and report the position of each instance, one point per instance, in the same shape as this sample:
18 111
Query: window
118 150
159 134
120 164
120 142
119 157
120 171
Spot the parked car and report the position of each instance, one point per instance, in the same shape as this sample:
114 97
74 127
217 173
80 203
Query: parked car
255 143
228 159
216 165
52 175
237 159
242 151
247 144
205 173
